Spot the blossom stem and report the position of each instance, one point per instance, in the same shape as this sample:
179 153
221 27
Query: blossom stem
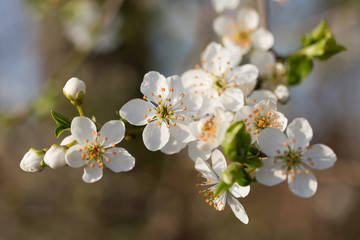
80 110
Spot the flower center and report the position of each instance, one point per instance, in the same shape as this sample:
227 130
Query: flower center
209 130
166 109
208 194
220 84
93 153
260 119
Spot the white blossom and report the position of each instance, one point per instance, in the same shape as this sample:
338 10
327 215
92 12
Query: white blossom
209 132
213 177
263 115
166 110
242 33
291 157
220 82
74 89
221 5
97 149
32 161
55 156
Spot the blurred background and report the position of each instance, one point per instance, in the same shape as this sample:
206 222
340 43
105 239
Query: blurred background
111 44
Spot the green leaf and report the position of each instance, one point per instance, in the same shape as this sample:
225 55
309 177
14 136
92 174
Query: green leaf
236 142
320 43
253 162
299 67
236 173
222 186
316 34
63 123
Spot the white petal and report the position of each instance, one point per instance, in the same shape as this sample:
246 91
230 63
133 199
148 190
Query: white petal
114 131
215 59
299 130
271 142
271 172
82 128
321 156
92 174
243 113
259 95
221 5
206 171
222 24
218 162
173 146
73 157
303 184
67 140
238 209
134 111
248 18
282 93
245 77
193 103
264 61
120 160
195 76
153 83
263 39
236 51
232 99
155 136
181 133
220 200
238 191
195 152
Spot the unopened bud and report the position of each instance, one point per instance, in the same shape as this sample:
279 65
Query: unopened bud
282 93
33 161
75 90
55 156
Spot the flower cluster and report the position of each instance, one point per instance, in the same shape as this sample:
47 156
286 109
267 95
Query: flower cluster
227 101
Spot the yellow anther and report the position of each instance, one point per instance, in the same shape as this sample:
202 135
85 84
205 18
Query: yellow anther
248 89
292 170
197 66
175 117
144 97
107 159
148 120
98 134
307 172
298 171
293 178
93 132
250 116
162 89
208 180
95 140
292 140
182 118
159 123
159 96
184 108
86 140
277 125
79 150
168 126
285 144
261 108
92 165
183 95
152 94
113 145
144 115
174 124
181 103
249 129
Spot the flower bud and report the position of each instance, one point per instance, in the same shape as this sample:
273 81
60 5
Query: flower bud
282 93
55 156
33 161
75 90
